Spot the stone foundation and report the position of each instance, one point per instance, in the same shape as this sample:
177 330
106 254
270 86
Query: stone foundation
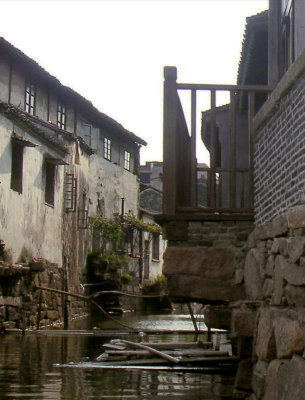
21 306
204 260
274 316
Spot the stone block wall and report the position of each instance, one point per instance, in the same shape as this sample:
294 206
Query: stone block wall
274 278
21 306
279 155
204 260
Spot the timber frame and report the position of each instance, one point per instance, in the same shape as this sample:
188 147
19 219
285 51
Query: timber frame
179 153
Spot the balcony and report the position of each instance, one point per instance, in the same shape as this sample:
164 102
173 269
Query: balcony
224 189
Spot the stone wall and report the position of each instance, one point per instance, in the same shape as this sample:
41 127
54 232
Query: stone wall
274 314
279 161
21 306
204 260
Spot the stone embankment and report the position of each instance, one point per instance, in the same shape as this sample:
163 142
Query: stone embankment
269 326
21 306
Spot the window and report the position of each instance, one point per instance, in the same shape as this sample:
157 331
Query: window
156 247
17 167
61 115
50 183
287 33
30 92
127 160
91 135
70 192
107 149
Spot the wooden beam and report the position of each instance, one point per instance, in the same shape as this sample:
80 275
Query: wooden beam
232 150
193 150
213 150
203 86
170 140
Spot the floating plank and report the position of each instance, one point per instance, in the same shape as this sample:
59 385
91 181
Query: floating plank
180 353
171 345
203 361
151 350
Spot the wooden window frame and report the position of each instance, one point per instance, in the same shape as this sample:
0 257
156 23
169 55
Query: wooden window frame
107 149
70 192
127 160
155 252
30 98
287 32
61 114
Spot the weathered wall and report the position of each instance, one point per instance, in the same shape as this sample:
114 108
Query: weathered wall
217 253
279 163
108 184
22 306
29 226
274 314
155 264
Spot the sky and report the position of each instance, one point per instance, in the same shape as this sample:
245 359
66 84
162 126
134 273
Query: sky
113 52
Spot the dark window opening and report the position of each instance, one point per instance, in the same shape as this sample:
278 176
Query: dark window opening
30 92
61 115
17 167
50 183
156 247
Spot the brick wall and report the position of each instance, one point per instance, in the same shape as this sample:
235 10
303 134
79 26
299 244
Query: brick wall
279 156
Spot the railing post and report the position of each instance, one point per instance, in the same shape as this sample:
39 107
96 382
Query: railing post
170 140
232 151
213 151
193 151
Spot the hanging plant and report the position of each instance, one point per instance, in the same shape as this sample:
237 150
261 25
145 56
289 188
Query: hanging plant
108 230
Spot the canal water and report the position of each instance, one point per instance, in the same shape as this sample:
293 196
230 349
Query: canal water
61 367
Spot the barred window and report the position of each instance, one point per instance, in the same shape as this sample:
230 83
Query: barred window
107 149
127 160
61 114
30 92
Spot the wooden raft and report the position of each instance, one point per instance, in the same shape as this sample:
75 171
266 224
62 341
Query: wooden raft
126 353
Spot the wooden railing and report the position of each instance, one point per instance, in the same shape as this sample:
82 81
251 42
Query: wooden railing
227 188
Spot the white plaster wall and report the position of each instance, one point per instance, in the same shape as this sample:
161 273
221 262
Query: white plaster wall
27 224
155 266
109 183
41 102
18 87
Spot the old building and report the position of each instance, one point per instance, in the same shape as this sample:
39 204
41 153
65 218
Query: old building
246 256
61 160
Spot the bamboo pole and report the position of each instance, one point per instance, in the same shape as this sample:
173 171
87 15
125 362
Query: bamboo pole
153 351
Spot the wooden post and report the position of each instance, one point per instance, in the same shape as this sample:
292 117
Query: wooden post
170 141
213 151
251 112
274 56
193 151
232 150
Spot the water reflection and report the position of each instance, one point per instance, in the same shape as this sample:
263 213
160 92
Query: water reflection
28 371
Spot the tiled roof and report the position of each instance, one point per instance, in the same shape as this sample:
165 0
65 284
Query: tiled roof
23 117
104 119
259 20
